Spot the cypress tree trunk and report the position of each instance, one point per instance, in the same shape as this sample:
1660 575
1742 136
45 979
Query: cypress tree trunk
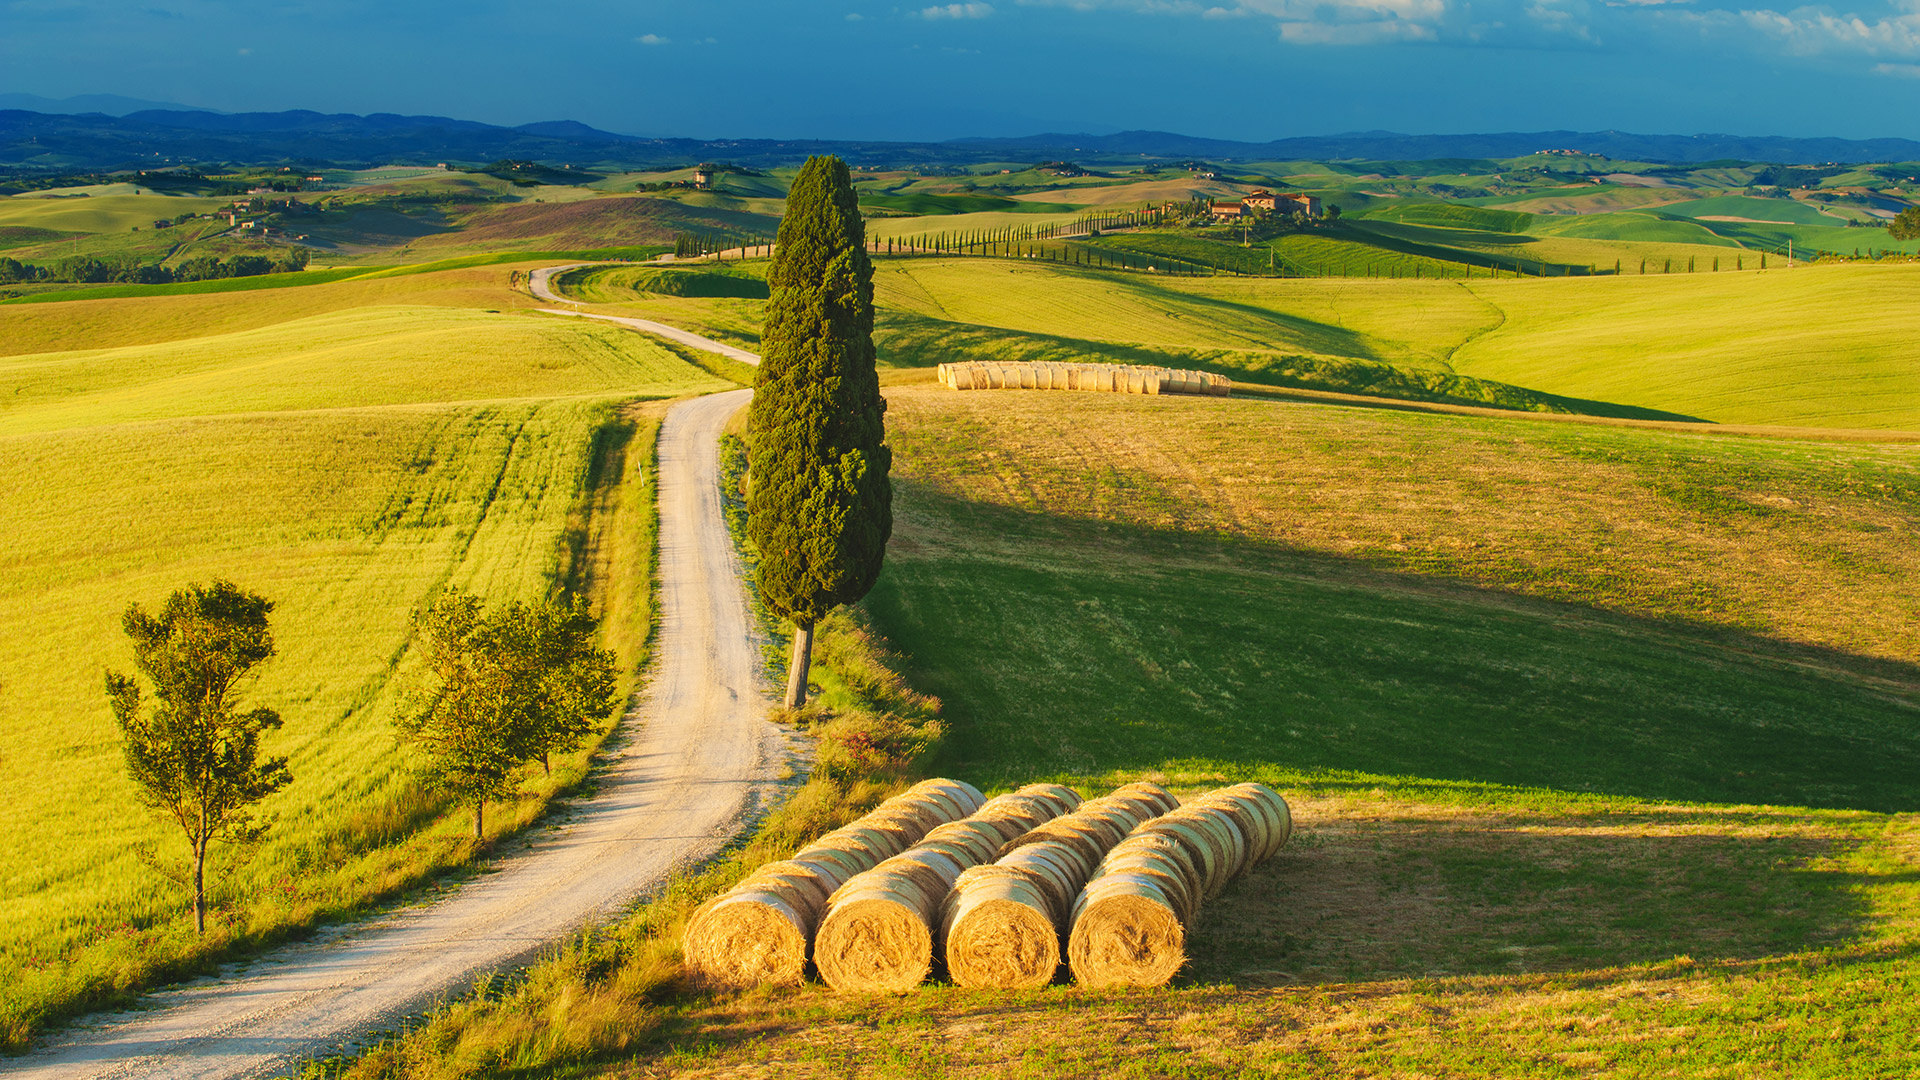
820 509
479 809
798 668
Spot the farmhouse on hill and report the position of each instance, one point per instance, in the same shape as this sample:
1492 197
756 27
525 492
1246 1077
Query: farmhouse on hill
1262 199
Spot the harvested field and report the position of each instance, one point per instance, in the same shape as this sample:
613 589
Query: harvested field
591 223
1110 378
758 931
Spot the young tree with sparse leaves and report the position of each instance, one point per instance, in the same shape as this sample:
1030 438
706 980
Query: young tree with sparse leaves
195 755
820 509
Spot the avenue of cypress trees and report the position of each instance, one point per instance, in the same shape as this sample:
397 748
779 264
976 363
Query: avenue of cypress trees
819 507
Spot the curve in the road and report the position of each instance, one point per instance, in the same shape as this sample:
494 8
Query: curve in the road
700 749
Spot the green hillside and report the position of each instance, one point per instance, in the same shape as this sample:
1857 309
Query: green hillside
1819 346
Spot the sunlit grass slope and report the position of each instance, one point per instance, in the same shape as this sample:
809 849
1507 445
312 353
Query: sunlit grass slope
1416 322
366 356
99 214
346 465
1827 346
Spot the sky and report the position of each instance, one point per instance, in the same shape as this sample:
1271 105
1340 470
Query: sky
1252 70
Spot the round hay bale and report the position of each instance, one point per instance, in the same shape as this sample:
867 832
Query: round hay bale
1170 868
1199 846
1060 795
875 941
810 890
1276 807
1126 933
742 940
980 839
1082 836
969 795
998 935
1058 870
1160 796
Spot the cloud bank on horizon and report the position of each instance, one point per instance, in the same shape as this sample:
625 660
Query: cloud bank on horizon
1242 69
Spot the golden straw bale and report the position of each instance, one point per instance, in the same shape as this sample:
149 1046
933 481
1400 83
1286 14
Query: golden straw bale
997 932
1126 933
980 838
1061 870
963 793
744 939
1160 857
1161 797
876 939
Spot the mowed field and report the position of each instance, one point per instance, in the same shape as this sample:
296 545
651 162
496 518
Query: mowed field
345 457
1600 740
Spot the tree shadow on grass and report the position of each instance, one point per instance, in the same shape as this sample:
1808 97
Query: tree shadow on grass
1081 650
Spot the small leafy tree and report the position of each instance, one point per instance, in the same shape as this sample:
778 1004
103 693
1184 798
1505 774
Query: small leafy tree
458 713
564 680
195 756
500 689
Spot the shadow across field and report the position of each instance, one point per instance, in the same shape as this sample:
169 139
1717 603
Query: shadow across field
1079 650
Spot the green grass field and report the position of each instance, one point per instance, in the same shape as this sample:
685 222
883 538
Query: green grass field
347 464
99 214
1819 346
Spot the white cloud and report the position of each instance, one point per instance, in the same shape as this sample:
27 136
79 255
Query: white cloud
1898 71
957 11
651 39
1810 31
854 16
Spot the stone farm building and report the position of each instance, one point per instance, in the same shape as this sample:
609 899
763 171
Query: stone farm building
1263 199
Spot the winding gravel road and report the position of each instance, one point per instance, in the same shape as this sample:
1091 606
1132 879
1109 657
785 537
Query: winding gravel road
697 754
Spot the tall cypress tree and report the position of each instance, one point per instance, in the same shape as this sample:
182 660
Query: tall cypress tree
820 509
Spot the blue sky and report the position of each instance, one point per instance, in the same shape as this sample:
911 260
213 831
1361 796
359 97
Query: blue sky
1245 69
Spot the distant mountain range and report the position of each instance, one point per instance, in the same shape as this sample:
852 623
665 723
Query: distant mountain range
110 104
146 137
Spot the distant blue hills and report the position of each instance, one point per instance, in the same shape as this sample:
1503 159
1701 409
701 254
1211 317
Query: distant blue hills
120 133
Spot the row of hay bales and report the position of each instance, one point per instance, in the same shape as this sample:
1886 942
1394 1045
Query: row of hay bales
1112 378
1129 925
879 927
997 890
758 931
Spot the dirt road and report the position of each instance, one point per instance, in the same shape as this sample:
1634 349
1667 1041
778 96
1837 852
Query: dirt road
539 283
698 750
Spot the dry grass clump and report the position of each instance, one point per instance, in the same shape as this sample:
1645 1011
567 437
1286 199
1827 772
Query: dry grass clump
757 932
1001 924
1111 378
877 935
1129 926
